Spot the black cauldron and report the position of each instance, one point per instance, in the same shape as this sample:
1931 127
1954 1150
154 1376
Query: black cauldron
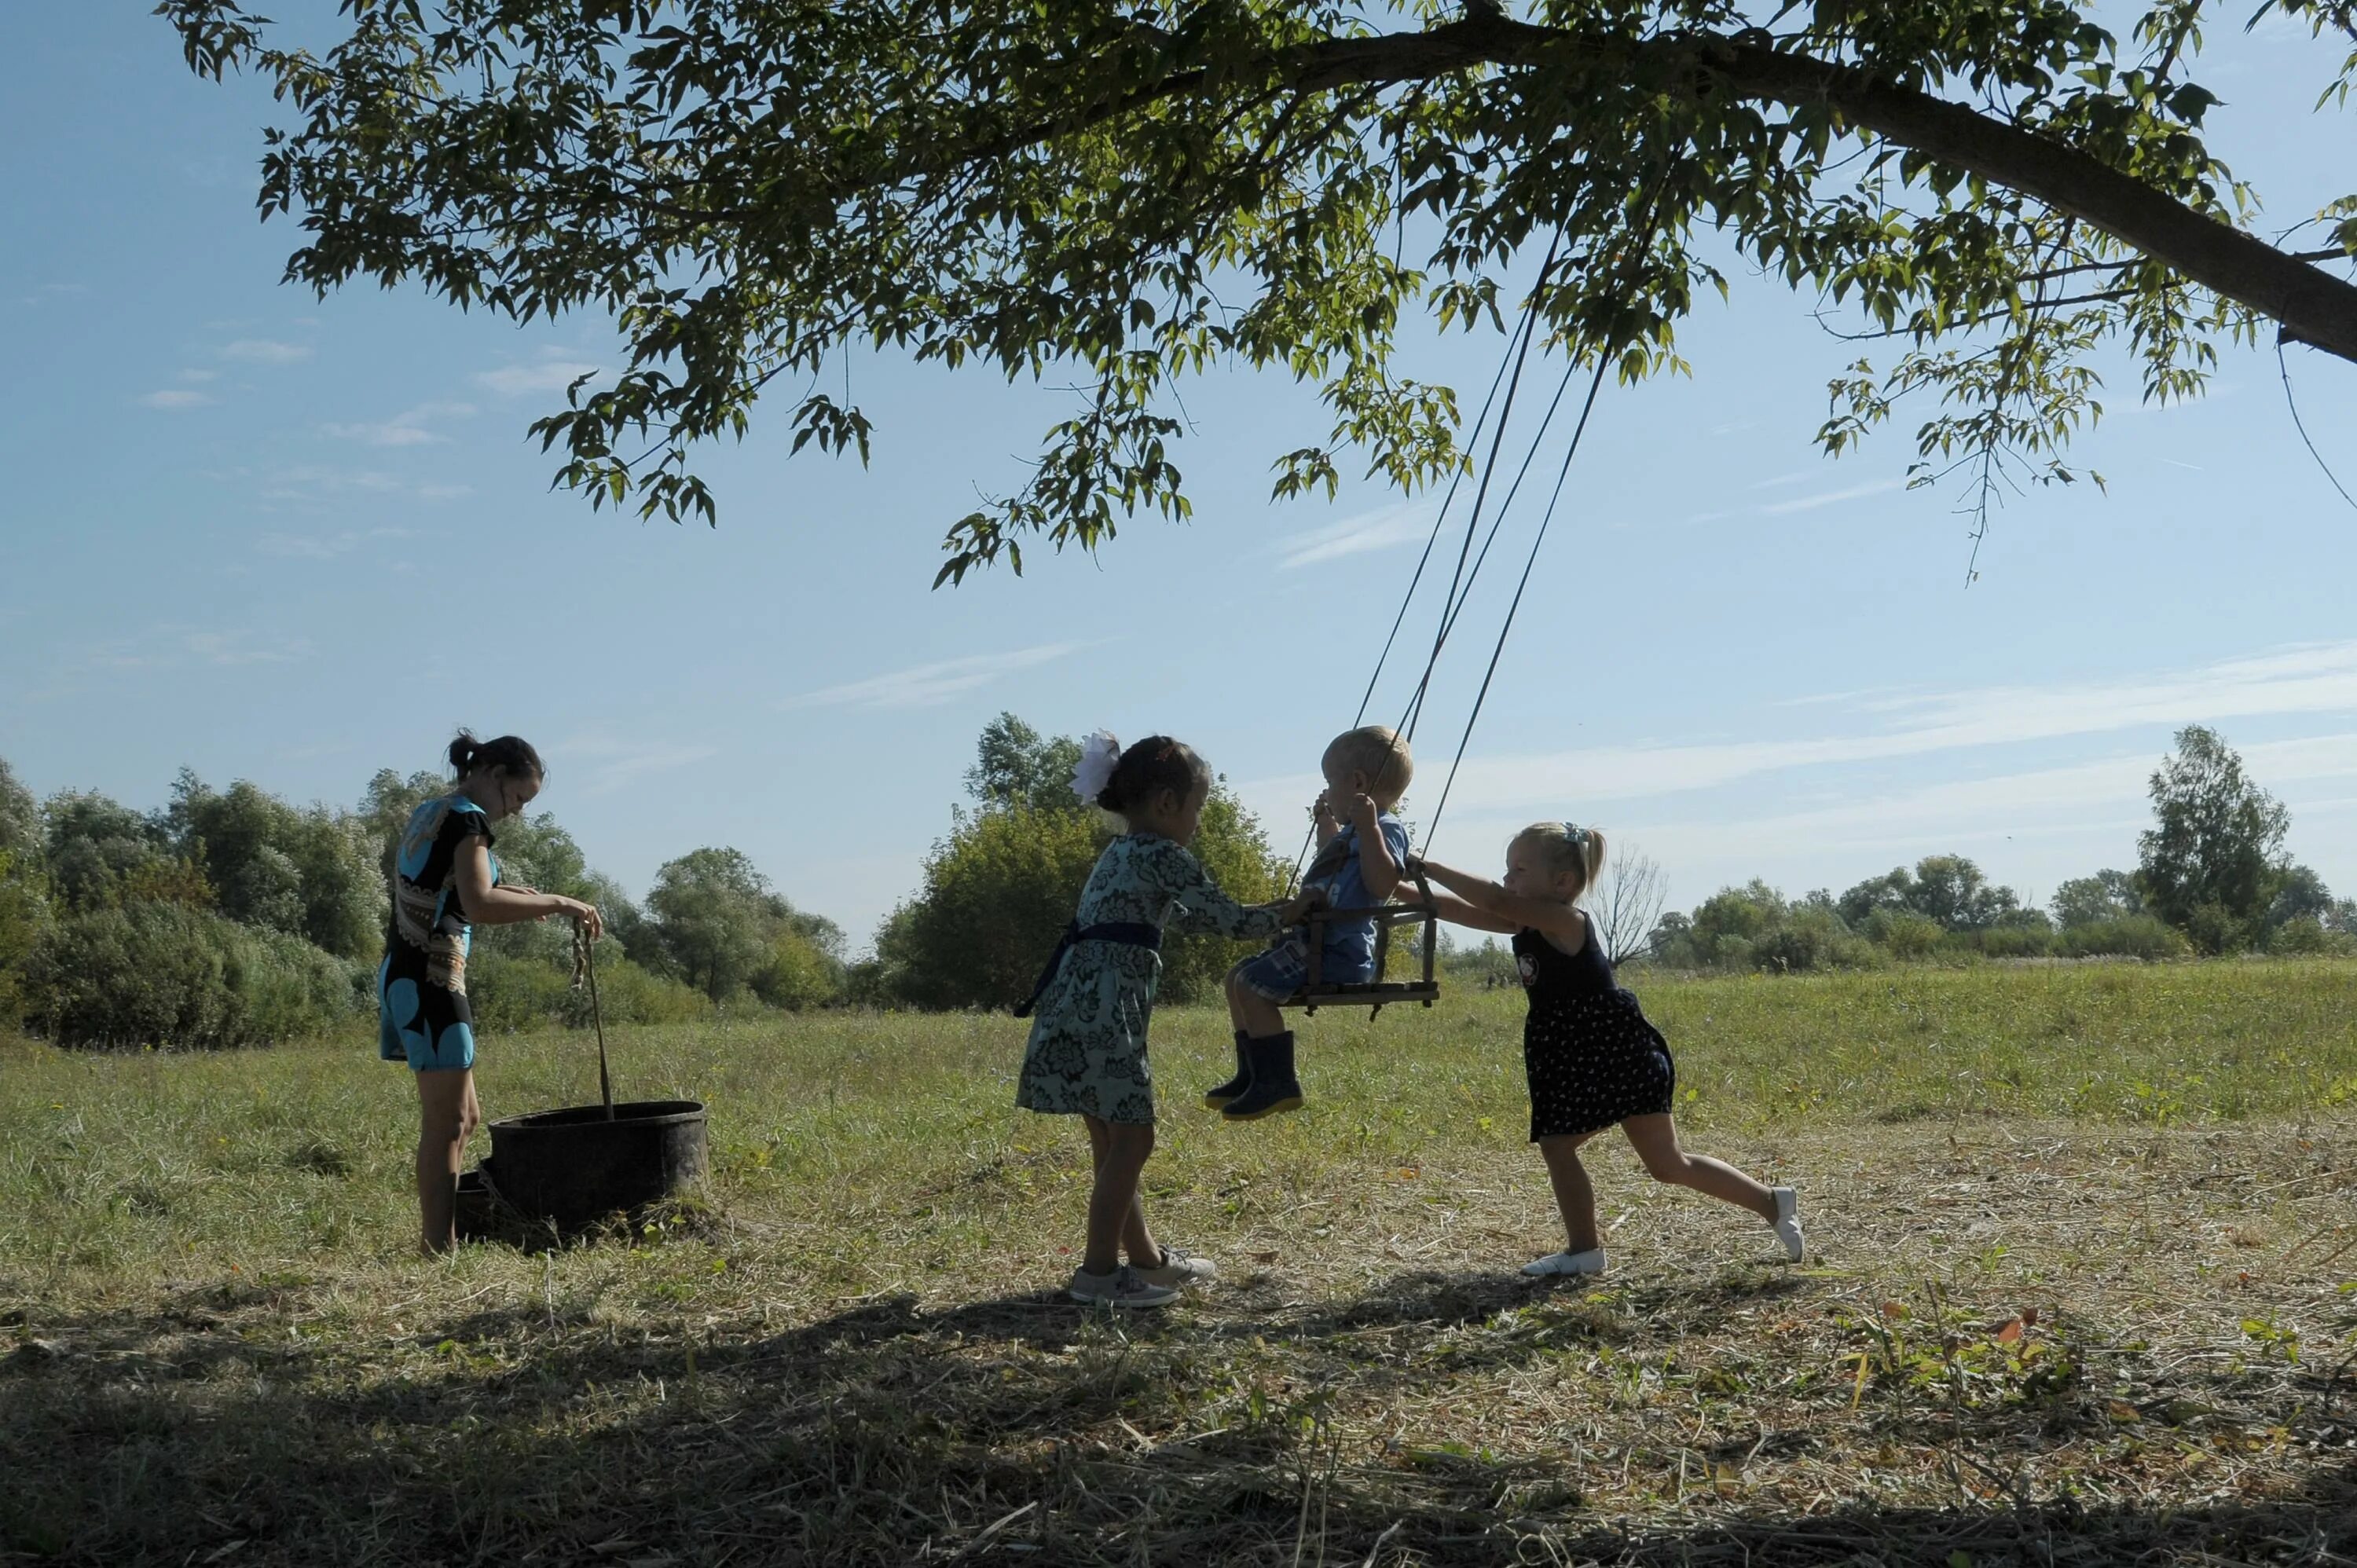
572 1168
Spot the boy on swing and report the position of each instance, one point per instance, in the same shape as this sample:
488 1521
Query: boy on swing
1362 848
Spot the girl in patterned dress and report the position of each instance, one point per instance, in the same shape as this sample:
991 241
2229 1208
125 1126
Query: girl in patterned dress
1592 1058
1086 1056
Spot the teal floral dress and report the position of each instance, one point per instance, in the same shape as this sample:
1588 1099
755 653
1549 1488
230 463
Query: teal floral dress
1087 1050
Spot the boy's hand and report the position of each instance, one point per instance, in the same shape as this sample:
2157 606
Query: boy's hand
1322 811
1365 811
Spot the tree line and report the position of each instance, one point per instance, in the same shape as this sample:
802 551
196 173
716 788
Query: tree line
2211 879
231 916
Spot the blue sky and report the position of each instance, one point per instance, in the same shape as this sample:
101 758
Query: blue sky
294 541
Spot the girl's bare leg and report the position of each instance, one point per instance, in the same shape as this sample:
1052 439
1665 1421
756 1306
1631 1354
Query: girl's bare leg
1575 1195
1655 1139
446 1116
1116 1213
1250 1011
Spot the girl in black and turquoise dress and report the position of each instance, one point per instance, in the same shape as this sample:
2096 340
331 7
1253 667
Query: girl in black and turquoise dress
1593 1059
444 883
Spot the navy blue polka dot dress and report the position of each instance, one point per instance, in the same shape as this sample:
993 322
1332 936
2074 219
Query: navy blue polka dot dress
1592 1058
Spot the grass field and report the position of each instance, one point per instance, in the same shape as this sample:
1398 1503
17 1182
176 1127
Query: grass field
2084 1289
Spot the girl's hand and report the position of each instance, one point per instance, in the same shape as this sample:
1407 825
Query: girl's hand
583 915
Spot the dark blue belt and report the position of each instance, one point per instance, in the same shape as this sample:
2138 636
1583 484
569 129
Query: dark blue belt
1129 933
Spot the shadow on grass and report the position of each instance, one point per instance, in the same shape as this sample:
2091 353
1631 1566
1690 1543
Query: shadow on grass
1019 1428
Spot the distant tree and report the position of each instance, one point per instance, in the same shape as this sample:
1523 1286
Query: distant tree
1627 904
2297 892
307 871
720 926
1002 886
2209 858
91 843
20 821
1949 890
1016 764
2085 901
1886 892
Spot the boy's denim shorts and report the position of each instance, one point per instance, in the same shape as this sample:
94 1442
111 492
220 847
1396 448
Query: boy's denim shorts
1281 971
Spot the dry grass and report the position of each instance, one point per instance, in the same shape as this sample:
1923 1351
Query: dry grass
2023 1338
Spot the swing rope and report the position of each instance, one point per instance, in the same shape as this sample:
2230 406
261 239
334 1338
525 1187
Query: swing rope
1595 385
1512 358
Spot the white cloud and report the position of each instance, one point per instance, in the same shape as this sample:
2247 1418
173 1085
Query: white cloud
200 375
2319 678
614 763
444 492
407 428
1383 529
926 686
549 375
1828 498
2106 796
265 351
173 400
165 647
324 547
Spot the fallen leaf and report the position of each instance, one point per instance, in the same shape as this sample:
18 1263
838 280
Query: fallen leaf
1894 1309
2010 1332
2120 1410
2029 1317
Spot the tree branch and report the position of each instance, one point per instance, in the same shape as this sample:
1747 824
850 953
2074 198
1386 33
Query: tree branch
2311 305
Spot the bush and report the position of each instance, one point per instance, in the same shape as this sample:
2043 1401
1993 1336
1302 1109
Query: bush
2129 936
2016 941
2305 936
24 911
1906 936
510 993
177 978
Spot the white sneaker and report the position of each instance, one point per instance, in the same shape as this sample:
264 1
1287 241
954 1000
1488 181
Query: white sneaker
1787 1222
1591 1261
1179 1267
1121 1289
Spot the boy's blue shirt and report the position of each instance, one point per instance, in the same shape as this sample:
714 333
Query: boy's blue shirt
1352 943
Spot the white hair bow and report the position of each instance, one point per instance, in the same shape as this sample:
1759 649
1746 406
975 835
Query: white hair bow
1099 753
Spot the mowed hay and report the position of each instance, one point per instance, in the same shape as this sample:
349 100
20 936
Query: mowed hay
2078 1297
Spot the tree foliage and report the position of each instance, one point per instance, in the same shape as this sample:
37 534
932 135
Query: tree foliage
1121 196
2209 862
1000 890
715 923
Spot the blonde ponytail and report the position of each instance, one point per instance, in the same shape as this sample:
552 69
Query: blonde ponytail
1568 848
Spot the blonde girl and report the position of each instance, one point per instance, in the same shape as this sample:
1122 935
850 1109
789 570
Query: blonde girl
1593 1059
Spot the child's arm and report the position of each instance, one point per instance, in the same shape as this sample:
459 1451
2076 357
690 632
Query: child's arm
1377 868
1322 818
1555 918
1457 912
1204 906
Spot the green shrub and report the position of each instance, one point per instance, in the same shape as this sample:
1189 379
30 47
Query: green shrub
2016 941
2129 936
1906 935
509 994
178 978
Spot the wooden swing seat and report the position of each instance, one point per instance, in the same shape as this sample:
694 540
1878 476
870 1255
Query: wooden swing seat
1372 994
